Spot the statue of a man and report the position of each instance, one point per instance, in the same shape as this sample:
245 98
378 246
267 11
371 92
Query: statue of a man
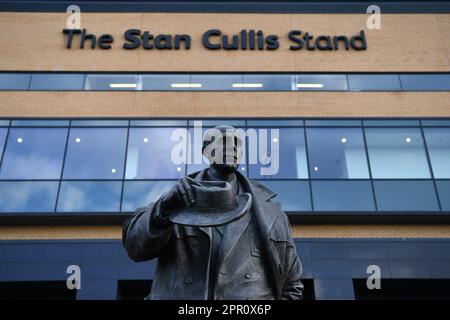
211 245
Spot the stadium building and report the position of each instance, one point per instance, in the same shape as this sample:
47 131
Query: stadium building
89 102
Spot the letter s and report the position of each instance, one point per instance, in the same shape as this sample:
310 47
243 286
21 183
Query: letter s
132 35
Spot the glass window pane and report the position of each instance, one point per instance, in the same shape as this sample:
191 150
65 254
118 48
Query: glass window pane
34 153
406 196
397 153
158 123
443 188
436 123
40 123
425 82
337 153
88 196
438 143
269 82
288 162
108 82
137 194
57 81
95 153
3 132
333 123
4 123
219 82
374 82
99 123
391 123
156 153
321 82
342 196
30 196
275 123
217 122
166 82
14 81
293 195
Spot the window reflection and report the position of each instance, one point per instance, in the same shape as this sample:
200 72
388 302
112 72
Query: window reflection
87 196
57 81
342 196
94 153
337 153
166 82
28 196
108 82
34 153
15 81
219 82
3 132
405 195
293 195
138 194
292 154
438 143
149 154
443 187
397 153
264 82
374 82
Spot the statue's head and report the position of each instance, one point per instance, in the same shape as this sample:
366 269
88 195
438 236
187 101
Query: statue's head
222 146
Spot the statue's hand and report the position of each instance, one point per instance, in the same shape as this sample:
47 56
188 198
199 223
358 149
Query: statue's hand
178 196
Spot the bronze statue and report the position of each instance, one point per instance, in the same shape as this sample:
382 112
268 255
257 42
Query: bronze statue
217 235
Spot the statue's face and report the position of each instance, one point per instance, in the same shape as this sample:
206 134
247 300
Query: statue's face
224 152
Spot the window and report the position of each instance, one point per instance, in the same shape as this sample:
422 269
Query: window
443 187
28 196
14 81
333 123
336 153
438 143
108 82
293 195
139 194
425 82
406 195
269 82
95 153
151 153
3 132
224 81
89 196
218 82
57 81
374 82
292 153
342 196
166 82
275 123
99 123
324 82
34 153
397 153
40 123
